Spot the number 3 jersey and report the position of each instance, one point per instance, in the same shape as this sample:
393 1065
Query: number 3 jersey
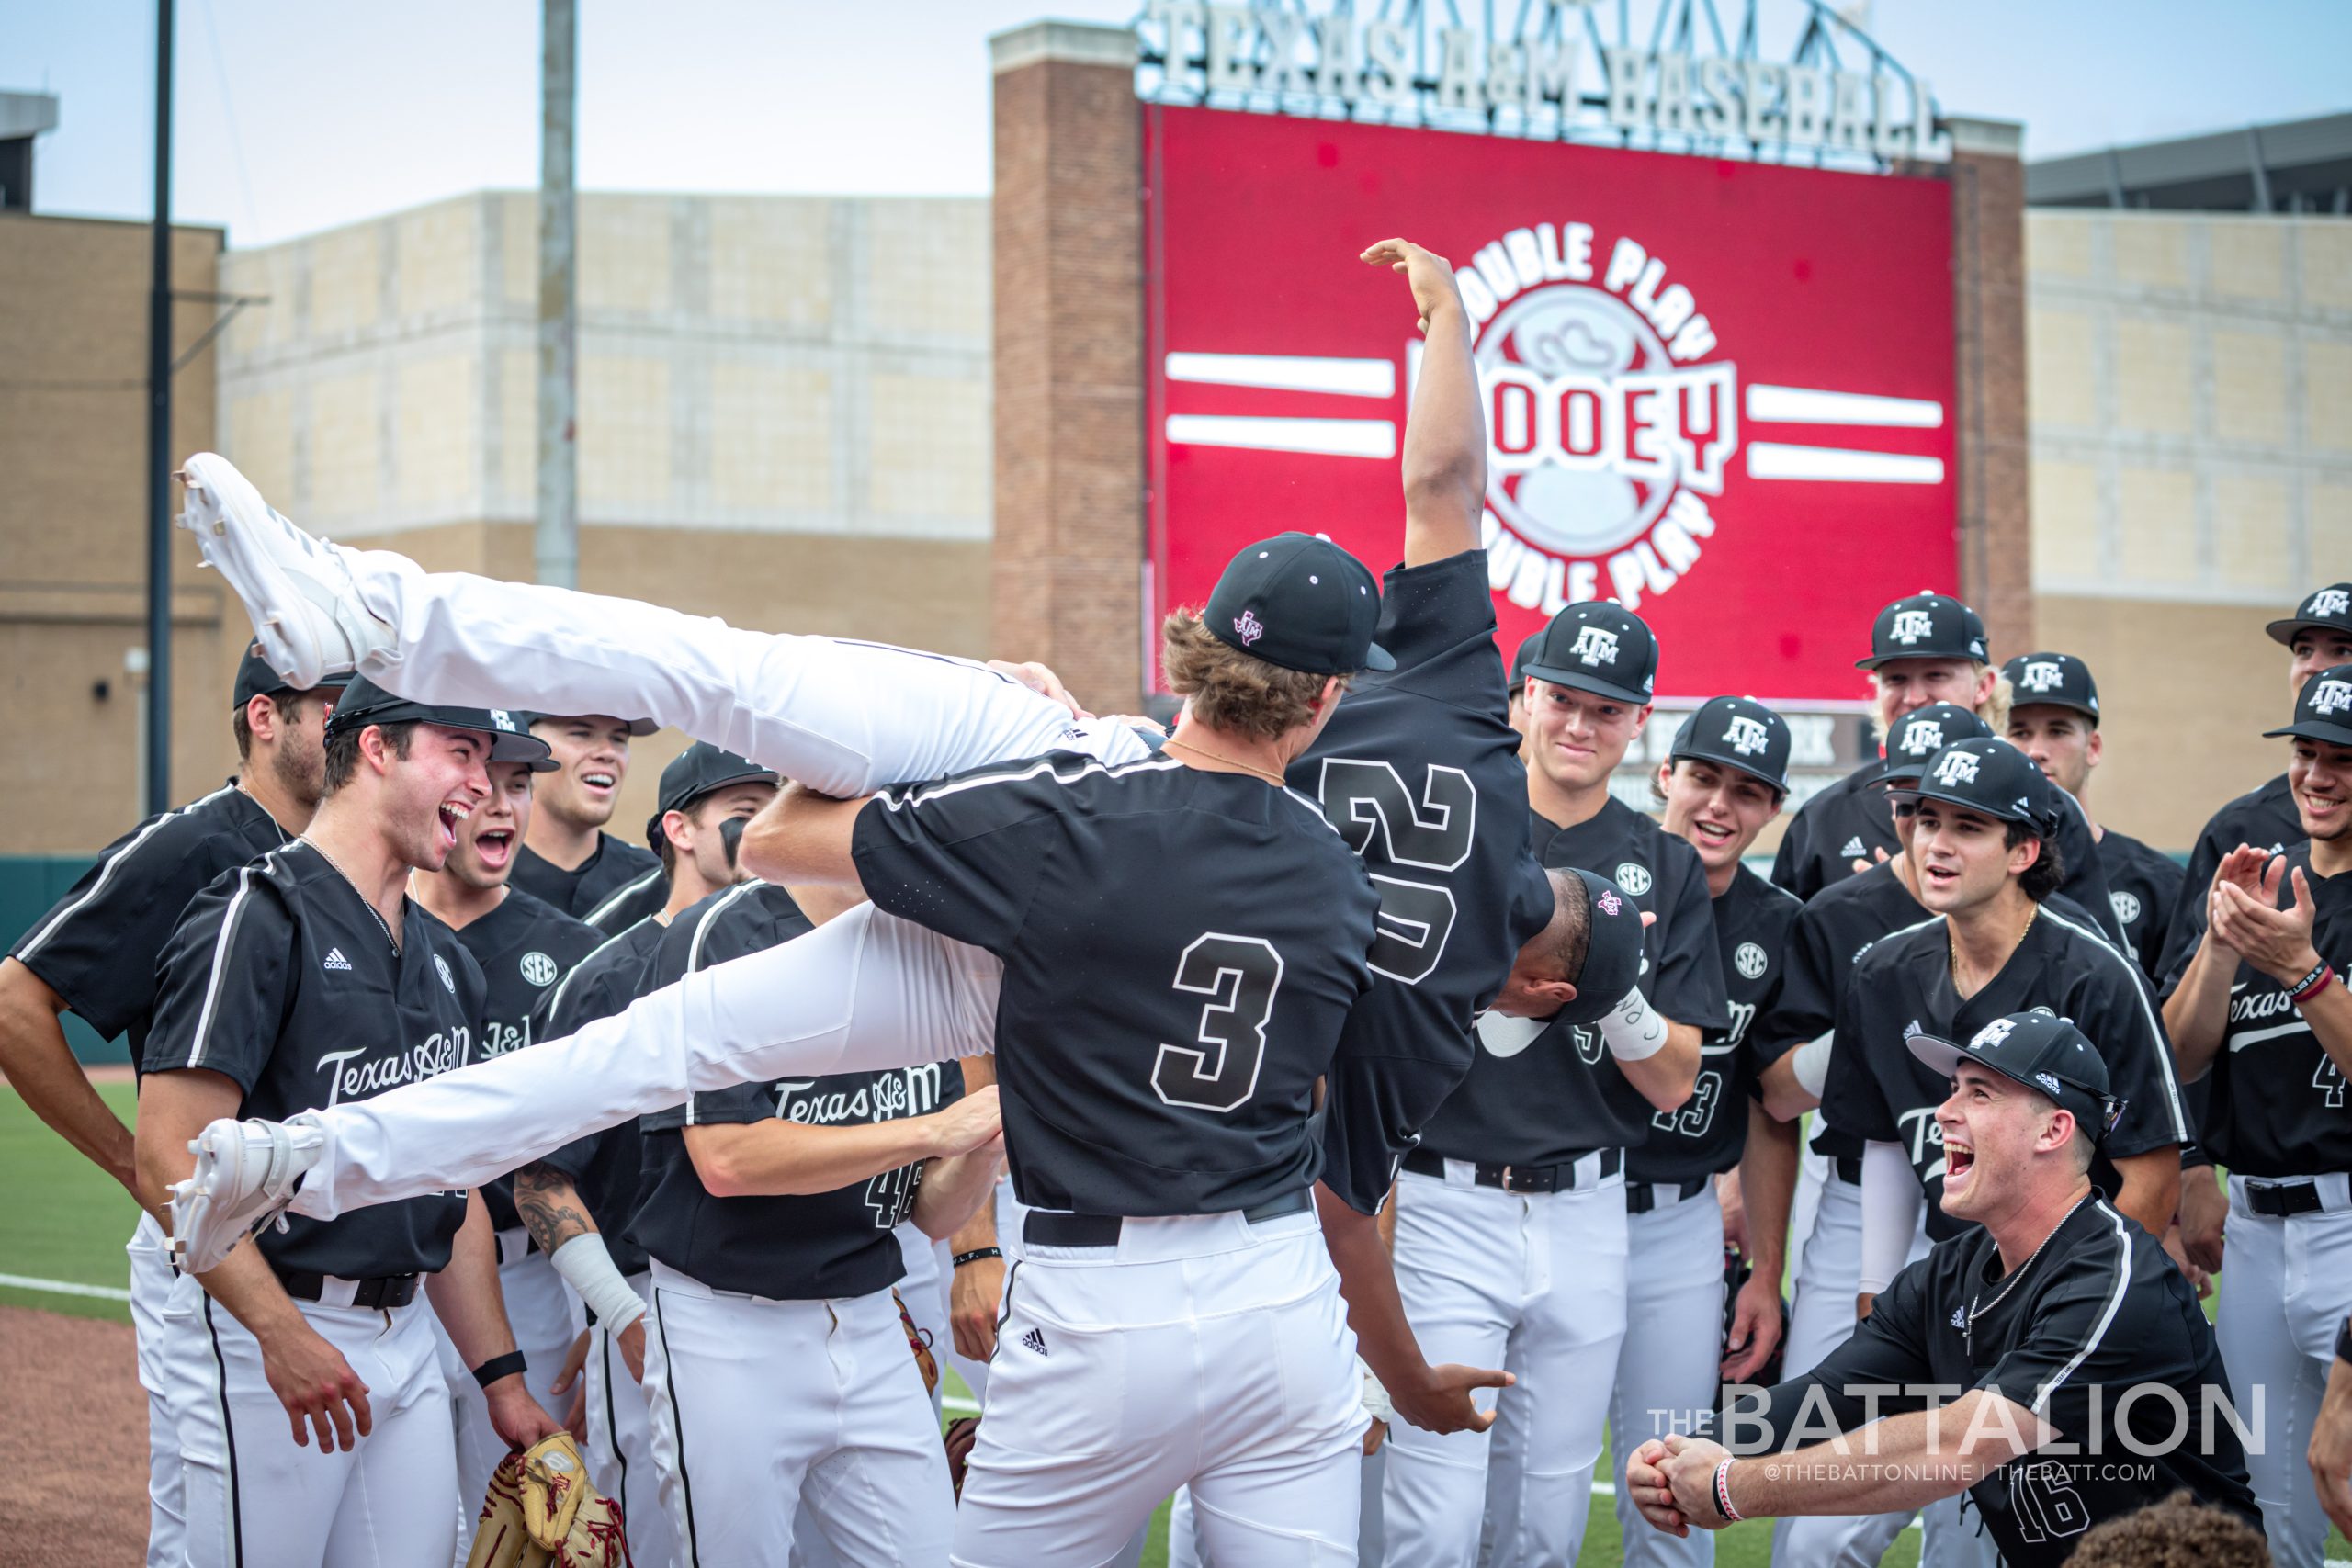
1181 950
2277 1106
1419 770
803 1246
2098 1312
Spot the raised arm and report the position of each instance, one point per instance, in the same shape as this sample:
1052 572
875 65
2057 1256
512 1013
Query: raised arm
1445 433
802 837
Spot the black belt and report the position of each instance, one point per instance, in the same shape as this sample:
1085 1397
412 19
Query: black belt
1850 1169
1517 1178
1044 1228
382 1293
2283 1200
1640 1198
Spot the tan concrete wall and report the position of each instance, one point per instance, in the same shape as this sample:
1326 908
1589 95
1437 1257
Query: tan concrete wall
74 298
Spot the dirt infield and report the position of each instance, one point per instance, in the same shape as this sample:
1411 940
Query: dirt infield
73 1443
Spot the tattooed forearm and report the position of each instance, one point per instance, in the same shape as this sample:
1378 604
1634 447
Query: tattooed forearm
550 1206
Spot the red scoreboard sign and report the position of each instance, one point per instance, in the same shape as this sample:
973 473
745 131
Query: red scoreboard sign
1718 392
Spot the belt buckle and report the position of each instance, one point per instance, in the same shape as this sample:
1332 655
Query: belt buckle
1505 1179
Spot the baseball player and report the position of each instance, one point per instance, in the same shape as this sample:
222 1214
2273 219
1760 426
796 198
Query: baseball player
782 1385
2050 1362
309 978
94 954
523 947
2329 1453
2053 718
1519 683
1723 779
568 859
2261 1007
1519 1177
577 1201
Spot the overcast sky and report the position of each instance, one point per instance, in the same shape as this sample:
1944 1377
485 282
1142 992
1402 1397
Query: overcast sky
297 115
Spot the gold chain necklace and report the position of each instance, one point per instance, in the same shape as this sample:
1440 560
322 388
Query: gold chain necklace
1272 778
1952 945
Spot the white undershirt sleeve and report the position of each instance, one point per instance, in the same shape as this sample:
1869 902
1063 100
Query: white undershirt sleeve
1892 1201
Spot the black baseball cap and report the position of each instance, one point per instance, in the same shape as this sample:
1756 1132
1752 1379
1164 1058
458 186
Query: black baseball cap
1597 647
1925 626
364 703
2042 1051
638 728
695 772
1612 954
2330 607
1920 733
1519 662
2055 679
2324 711
256 679
1299 600
1989 776
1738 732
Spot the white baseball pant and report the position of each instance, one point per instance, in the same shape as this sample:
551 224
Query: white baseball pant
1184 1526
1535 1283
620 1443
764 1408
257 1500
1671 1362
2284 1292
1202 1350
150 1286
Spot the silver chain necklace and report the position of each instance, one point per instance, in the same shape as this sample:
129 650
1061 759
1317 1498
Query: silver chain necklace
381 924
1978 1306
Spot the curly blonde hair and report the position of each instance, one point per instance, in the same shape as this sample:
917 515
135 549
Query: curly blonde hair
1231 690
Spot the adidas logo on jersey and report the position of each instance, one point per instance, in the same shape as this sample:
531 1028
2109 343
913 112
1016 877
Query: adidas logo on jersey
1854 846
1035 1340
335 960
1960 1317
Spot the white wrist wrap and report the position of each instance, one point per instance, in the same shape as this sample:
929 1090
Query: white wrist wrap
588 1268
1375 1398
1810 1062
1632 1031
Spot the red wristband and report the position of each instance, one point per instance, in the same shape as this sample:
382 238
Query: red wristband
1723 1492
2313 984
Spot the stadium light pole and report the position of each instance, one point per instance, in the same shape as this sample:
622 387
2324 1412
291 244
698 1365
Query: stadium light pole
555 543
158 787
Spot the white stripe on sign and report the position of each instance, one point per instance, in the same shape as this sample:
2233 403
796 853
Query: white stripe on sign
1288 373
1806 406
1327 437
63 1288
1769 460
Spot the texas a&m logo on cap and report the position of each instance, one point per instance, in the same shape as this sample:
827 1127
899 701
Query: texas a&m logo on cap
1594 645
2332 696
1955 768
1924 738
1993 1033
1746 735
1910 626
2041 675
1247 627
2329 602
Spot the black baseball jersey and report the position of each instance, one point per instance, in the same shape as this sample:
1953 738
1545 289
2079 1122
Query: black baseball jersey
1181 950
524 947
2263 818
801 1247
2143 886
98 947
637 900
613 866
1544 1094
1706 1132
2278 1109
1903 987
1419 770
2098 1311
607 1166
1850 822
281 978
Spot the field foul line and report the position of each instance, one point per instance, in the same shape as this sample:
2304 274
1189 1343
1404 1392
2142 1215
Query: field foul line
63 1288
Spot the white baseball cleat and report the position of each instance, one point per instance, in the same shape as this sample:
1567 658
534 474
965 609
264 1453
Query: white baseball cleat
306 609
245 1175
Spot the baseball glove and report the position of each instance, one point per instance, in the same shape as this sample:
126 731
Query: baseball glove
919 1343
541 1512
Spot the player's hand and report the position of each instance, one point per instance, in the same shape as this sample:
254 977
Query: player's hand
1862 1304
1755 1328
575 1417
1689 1468
318 1388
1042 680
2178 1253
1877 857
1373 1436
1645 1484
515 1417
972 1123
632 1343
974 1297
1442 1403
2204 1214
1430 276
2276 942
567 1378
